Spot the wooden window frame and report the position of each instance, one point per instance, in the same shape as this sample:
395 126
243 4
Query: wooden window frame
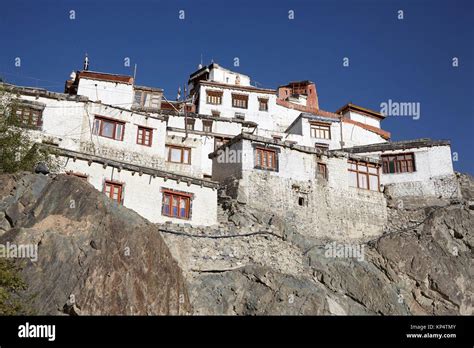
207 124
182 149
240 97
214 97
215 113
263 101
321 127
221 139
27 120
323 173
179 196
113 185
263 156
277 137
367 174
143 98
142 141
190 122
400 161
103 119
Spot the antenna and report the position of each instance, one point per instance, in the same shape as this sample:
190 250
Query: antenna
134 72
86 62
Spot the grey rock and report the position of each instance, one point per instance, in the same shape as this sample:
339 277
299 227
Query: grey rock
111 259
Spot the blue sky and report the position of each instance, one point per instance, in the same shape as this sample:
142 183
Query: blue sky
407 60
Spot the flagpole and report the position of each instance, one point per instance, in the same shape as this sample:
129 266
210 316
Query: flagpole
185 114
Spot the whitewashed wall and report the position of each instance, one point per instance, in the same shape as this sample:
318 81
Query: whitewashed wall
363 119
62 121
226 76
112 93
127 150
353 135
143 193
330 207
433 170
276 119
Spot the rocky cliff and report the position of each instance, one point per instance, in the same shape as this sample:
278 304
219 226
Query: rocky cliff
93 256
112 261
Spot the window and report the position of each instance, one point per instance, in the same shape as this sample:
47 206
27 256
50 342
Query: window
265 159
207 126
190 123
277 137
321 131
144 136
301 201
262 104
321 146
219 141
114 190
403 163
322 170
216 113
147 99
214 97
240 101
364 175
178 154
29 117
109 128
239 115
177 205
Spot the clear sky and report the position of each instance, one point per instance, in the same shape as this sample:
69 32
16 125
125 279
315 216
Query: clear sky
403 60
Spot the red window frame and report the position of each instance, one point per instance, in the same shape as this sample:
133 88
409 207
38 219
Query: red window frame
114 187
141 137
168 206
265 158
99 130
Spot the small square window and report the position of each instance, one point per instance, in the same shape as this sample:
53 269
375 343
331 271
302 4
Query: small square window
207 126
144 136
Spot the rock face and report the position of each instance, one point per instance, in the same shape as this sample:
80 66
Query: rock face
94 257
421 265
114 262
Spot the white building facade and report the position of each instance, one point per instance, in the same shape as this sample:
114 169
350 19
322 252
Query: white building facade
153 155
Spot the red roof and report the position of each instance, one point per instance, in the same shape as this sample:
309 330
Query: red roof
105 77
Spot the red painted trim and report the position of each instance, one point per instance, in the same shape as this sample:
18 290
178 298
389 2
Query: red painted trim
381 132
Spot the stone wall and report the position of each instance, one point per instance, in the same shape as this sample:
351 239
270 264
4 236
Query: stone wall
123 155
307 202
442 187
314 208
